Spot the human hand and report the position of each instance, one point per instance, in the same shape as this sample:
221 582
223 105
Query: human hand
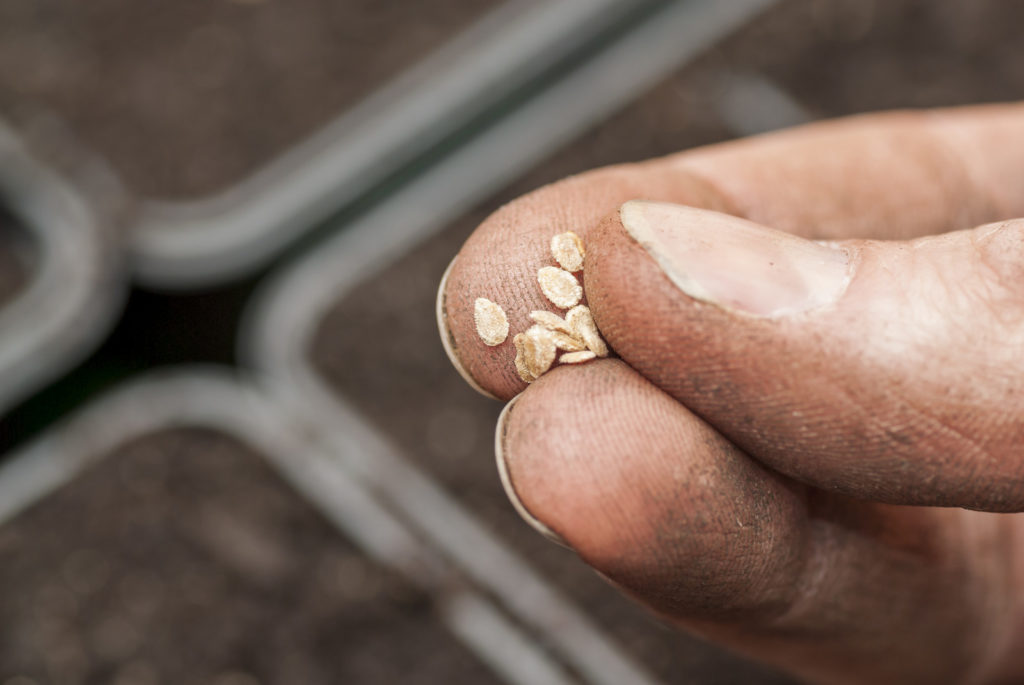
744 467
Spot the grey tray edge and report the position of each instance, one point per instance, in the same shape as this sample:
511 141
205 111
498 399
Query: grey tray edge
191 244
215 398
77 288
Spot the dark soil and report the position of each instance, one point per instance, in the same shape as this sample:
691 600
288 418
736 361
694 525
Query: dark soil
186 97
850 56
835 58
183 558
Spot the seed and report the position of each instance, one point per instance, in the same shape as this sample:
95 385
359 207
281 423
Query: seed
521 367
582 322
559 286
539 350
551 321
491 322
567 343
567 249
577 357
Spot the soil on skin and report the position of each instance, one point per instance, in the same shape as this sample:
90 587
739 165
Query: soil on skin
186 97
835 58
183 558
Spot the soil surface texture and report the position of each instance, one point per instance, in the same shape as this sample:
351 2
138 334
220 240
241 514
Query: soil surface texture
182 557
185 98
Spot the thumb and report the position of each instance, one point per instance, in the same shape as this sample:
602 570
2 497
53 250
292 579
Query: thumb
892 371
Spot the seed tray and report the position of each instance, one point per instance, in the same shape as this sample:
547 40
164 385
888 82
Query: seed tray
181 556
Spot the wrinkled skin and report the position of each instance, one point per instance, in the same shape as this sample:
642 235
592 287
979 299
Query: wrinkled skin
831 492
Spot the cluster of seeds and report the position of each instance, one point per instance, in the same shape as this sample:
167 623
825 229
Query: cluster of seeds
575 336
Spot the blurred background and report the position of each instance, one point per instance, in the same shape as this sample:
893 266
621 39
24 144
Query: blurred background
232 451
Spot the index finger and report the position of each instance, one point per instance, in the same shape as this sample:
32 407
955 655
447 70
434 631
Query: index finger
890 175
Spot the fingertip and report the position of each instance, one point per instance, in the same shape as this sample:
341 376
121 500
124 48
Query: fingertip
509 486
447 339
648 494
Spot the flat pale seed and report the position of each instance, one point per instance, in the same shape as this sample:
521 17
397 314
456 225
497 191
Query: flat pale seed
567 249
582 322
551 321
538 350
577 357
521 368
559 286
491 322
568 343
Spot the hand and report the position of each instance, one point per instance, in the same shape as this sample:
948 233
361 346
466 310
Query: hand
744 466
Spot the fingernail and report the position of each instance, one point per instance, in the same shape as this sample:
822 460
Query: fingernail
506 480
737 264
446 334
